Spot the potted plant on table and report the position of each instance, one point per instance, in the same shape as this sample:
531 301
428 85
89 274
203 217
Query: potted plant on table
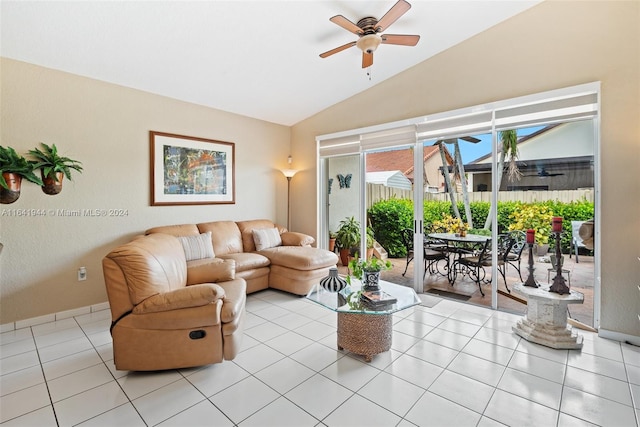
368 271
347 238
14 167
53 167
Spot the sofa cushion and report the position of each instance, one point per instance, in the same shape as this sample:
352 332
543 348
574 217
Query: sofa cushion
247 261
292 238
152 264
197 247
225 236
192 296
300 257
175 230
265 238
246 230
210 270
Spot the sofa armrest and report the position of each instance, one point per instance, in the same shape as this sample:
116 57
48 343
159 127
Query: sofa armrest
292 238
191 296
210 270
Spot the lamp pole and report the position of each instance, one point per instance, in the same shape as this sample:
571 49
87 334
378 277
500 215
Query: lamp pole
289 173
289 203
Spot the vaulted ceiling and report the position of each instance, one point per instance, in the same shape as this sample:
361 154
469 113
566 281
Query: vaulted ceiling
255 58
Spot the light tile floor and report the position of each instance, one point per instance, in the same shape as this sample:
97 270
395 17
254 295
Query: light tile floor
450 365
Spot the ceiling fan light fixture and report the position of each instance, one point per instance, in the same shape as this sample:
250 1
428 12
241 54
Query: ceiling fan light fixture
369 43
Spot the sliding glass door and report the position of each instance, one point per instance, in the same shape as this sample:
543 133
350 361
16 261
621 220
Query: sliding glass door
487 165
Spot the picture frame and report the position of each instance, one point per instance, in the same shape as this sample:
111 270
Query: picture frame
187 170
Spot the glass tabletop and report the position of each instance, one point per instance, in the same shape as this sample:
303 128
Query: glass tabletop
349 299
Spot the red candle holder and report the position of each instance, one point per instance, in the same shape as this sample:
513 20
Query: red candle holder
531 236
557 224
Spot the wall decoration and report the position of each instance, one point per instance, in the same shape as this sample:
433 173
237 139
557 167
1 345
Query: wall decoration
330 184
191 171
345 181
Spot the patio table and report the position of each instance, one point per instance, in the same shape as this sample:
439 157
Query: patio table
457 246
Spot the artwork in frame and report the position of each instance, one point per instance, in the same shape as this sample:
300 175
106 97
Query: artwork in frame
186 170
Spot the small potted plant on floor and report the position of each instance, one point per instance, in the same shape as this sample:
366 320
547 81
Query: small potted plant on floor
347 238
53 167
332 241
368 271
14 167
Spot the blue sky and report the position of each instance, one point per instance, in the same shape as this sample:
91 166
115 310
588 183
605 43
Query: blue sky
471 152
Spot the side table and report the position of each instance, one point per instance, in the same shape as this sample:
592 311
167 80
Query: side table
546 320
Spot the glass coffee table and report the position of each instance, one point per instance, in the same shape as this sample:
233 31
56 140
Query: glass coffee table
363 329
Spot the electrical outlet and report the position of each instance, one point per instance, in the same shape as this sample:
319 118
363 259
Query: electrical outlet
82 274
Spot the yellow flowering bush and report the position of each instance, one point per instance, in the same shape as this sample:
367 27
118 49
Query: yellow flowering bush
535 216
450 224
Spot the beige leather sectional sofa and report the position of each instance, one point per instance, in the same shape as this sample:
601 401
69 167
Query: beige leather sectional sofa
177 294
292 266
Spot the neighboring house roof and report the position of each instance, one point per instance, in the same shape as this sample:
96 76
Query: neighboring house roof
548 149
395 179
401 160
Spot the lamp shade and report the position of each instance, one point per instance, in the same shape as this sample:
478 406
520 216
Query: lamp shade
289 173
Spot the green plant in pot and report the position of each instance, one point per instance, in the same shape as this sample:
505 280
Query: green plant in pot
368 271
13 168
347 238
53 167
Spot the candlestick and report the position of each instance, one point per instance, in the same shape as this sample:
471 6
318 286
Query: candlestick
530 282
557 224
559 285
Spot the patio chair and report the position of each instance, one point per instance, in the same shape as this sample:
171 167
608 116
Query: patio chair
434 251
432 254
477 263
407 239
514 257
576 240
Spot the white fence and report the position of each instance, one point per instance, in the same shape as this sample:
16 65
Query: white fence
377 192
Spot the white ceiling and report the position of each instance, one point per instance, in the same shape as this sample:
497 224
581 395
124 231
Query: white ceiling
255 58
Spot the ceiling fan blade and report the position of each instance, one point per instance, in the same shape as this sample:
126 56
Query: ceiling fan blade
396 11
470 139
401 39
367 59
346 24
337 49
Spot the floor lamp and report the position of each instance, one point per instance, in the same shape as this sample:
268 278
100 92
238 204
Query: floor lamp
289 173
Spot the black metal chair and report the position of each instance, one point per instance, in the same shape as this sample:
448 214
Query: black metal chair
407 239
433 252
476 264
514 257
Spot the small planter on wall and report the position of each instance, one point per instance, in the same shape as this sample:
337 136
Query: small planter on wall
13 168
12 193
52 183
53 167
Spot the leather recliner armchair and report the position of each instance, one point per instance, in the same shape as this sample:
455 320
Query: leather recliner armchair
162 321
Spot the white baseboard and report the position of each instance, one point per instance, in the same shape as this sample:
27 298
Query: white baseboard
19 324
617 336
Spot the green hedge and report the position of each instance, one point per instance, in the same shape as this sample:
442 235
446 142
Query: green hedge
389 217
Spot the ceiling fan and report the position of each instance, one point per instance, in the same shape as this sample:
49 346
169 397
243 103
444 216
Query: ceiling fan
368 29
542 173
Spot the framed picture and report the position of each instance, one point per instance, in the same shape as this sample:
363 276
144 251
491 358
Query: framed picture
191 171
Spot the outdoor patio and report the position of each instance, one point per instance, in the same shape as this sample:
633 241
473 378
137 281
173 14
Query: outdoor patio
582 279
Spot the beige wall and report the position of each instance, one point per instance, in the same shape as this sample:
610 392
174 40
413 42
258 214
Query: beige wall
552 45
107 128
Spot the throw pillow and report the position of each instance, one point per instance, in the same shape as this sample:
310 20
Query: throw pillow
266 238
197 247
